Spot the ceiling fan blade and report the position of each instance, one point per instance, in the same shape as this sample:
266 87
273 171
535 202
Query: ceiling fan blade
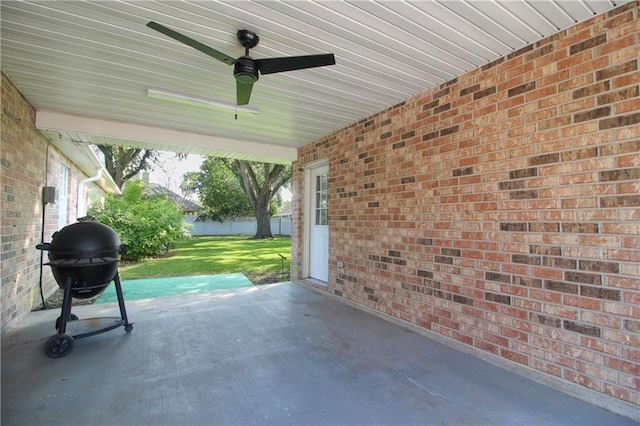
196 100
243 92
192 43
292 63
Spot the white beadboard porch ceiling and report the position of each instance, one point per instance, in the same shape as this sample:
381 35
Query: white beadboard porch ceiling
87 65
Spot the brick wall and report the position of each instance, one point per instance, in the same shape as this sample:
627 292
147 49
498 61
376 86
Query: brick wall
502 209
27 164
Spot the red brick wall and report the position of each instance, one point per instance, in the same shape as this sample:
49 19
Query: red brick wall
24 171
502 209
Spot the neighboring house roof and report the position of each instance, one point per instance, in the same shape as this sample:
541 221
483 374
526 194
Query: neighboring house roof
184 204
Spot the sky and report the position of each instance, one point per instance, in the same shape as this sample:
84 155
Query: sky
169 170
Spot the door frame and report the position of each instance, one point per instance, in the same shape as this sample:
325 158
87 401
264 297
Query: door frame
306 215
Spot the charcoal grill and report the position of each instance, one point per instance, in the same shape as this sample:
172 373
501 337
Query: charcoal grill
84 260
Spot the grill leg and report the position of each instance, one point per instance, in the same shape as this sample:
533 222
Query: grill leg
65 314
123 311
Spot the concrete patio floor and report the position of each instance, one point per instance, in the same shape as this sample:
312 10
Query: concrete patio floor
274 355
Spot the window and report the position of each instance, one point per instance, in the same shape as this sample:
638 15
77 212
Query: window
321 195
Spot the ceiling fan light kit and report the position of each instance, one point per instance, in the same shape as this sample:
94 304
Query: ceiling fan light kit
247 70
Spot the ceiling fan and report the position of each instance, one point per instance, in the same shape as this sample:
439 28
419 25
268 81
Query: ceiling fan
246 70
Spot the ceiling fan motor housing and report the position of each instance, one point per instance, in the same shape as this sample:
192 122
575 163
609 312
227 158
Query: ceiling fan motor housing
245 70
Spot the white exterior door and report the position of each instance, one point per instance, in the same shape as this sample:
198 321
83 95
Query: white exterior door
319 229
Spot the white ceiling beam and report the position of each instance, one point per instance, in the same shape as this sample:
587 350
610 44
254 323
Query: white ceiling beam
162 139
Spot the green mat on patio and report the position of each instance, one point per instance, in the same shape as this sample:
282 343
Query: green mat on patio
149 288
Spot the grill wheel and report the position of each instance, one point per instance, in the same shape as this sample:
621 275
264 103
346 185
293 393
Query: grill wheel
59 345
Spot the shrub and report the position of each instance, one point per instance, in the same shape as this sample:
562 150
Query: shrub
149 225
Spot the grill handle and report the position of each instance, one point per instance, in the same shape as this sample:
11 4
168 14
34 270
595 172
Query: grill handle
43 246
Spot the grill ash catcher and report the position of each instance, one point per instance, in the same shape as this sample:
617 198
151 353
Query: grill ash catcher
84 260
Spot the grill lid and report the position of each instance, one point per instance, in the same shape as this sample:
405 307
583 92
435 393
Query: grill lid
82 240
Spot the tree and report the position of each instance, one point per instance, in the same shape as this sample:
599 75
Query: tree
229 188
149 225
261 182
124 163
218 189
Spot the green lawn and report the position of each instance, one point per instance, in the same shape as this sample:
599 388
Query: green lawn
257 259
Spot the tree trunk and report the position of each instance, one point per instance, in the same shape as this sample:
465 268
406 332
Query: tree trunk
263 219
